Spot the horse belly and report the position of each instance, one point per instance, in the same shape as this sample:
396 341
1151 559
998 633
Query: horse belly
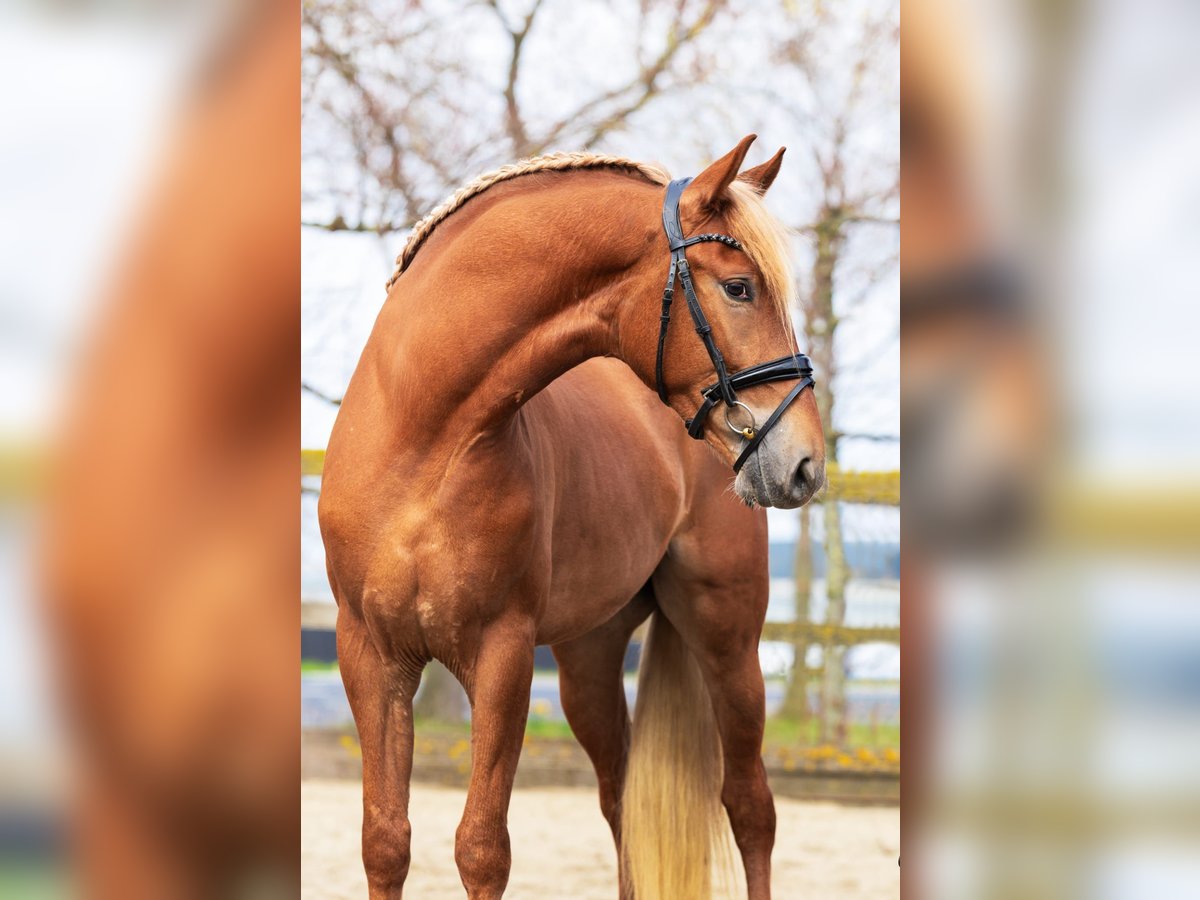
620 493
589 586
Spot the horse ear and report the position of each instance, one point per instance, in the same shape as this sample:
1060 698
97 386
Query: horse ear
761 177
703 195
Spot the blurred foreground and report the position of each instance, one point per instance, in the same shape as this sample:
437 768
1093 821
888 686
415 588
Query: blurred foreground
156 355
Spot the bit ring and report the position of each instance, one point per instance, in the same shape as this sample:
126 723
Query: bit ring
748 431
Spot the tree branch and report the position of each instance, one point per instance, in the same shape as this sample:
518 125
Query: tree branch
338 223
645 84
320 395
867 436
514 121
380 124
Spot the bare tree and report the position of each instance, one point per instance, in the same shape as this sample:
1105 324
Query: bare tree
855 185
389 99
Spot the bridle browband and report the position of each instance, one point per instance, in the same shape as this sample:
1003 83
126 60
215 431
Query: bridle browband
786 368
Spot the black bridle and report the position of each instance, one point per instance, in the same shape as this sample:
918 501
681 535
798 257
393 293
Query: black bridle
786 368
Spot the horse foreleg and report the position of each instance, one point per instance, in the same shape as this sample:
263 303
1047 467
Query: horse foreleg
498 685
381 694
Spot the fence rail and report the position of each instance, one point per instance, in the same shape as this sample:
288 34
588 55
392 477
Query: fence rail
833 635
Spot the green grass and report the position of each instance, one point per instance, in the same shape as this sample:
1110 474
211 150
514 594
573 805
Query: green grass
34 881
436 728
547 728
312 665
785 732
535 726
808 734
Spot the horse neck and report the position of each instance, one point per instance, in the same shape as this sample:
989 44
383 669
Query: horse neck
514 290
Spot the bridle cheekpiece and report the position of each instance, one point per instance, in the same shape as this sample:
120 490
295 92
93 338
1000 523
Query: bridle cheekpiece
724 390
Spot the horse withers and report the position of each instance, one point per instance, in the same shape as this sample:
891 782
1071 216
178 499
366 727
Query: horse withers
501 475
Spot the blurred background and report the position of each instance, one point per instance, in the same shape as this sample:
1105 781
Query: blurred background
404 102
1052 692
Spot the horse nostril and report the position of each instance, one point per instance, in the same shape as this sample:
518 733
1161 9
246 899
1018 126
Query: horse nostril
804 473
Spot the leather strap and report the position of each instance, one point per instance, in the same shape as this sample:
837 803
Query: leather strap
793 365
670 214
724 389
783 369
680 269
771 421
664 321
728 394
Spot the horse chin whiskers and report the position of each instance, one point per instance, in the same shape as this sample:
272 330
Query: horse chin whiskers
750 485
734 487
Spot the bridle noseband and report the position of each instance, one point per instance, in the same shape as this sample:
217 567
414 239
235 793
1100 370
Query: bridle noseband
726 387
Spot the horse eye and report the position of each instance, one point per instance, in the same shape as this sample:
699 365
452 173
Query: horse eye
738 290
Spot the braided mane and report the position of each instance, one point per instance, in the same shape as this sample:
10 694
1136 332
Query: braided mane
762 236
553 162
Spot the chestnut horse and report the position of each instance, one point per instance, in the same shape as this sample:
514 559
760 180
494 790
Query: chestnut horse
501 475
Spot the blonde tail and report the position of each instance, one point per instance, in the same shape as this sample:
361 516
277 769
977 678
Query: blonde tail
673 826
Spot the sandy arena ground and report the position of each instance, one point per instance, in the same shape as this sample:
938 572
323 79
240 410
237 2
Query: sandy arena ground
562 848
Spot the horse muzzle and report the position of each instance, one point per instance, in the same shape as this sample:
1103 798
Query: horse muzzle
779 475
